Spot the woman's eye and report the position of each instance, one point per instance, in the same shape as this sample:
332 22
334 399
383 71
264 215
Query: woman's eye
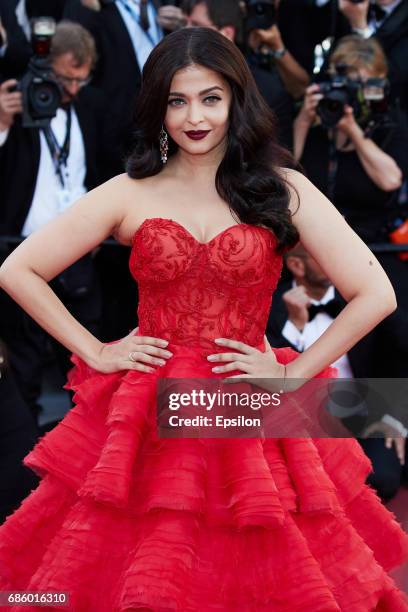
180 101
176 101
212 99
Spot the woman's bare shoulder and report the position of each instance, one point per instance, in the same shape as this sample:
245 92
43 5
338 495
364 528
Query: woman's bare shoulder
127 193
299 187
293 177
134 198
124 184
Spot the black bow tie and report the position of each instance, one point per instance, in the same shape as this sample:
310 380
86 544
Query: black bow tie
377 12
332 308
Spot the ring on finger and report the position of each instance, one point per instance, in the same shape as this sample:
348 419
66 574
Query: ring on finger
131 356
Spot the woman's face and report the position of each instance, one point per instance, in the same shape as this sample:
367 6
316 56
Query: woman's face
372 90
360 73
197 116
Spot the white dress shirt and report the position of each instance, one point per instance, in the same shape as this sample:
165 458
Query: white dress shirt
49 198
143 43
313 330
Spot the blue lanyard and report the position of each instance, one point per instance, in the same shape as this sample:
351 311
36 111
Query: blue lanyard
136 17
59 153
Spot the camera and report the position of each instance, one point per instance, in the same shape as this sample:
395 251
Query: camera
367 99
260 15
338 91
41 92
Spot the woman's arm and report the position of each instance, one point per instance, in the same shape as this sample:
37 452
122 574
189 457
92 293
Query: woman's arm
352 268
43 255
380 167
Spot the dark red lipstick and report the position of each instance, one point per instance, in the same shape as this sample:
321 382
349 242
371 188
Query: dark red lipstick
197 134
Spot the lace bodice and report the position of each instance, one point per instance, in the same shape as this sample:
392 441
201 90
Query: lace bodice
191 292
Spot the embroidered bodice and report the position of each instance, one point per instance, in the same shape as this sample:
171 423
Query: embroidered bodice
192 292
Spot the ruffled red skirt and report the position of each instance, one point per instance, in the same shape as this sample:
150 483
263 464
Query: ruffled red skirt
124 520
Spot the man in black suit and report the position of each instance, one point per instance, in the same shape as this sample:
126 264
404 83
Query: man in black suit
302 309
42 173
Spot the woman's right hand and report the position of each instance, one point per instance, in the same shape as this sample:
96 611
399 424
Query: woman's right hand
132 353
312 98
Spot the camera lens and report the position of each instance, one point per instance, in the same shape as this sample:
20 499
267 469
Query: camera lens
44 98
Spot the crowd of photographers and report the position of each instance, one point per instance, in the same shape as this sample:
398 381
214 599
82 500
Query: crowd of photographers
335 72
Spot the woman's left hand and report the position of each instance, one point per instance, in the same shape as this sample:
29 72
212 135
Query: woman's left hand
252 362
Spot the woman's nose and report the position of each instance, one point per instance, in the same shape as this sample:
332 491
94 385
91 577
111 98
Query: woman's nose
195 115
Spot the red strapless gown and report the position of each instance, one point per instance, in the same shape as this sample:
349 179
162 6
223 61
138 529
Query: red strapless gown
123 519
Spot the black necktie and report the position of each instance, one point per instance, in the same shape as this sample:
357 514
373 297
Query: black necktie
144 15
377 12
332 308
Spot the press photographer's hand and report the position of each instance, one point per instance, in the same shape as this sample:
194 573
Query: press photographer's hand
132 352
308 112
356 13
10 103
270 37
348 123
171 18
391 437
297 301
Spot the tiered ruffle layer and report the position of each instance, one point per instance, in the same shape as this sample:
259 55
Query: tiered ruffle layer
124 520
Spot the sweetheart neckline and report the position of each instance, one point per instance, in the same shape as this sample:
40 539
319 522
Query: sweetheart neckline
221 233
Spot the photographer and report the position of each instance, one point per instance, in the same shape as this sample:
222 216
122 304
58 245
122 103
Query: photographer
226 17
267 46
43 171
387 21
355 151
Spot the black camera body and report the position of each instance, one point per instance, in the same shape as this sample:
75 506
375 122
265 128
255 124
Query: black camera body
41 92
260 14
369 99
339 91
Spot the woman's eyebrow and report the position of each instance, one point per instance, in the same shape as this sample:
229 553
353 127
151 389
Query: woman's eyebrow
201 93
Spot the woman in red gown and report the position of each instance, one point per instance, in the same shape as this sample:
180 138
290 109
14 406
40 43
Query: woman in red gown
126 520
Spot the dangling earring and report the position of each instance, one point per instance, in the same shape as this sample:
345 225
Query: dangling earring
164 145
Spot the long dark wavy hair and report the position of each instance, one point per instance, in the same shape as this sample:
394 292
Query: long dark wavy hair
248 177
